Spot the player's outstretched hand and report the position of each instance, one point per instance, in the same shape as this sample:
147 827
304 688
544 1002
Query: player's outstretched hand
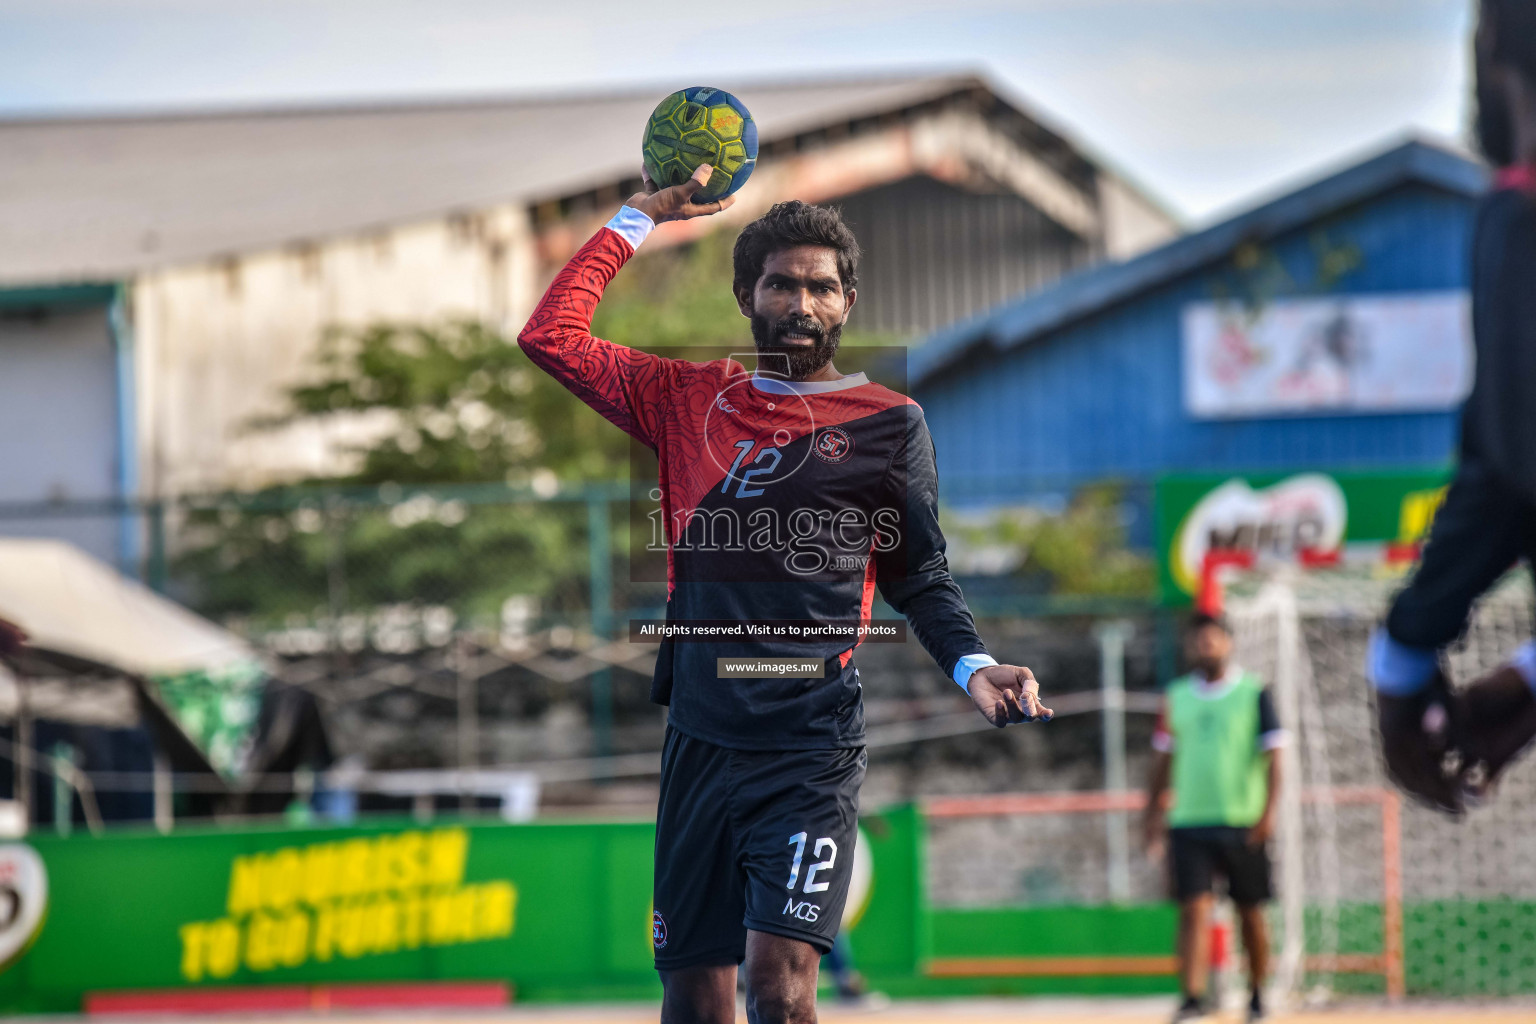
1154 833
1008 693
1262 831
676 203
1417 732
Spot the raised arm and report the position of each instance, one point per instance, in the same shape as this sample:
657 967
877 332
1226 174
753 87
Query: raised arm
913 576
628 387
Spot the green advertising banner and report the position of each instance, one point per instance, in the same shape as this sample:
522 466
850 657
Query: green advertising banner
1279 515
549 907
558 911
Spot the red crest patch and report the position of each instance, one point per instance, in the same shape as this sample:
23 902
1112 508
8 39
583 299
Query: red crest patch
832 445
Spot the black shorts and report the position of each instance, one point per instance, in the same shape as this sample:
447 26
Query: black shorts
750 839
1197 855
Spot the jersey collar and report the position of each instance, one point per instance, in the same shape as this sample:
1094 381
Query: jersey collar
780 386
1210 689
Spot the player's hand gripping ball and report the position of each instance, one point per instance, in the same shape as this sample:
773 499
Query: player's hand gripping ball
701 126
1420 743
1498 723
1448 747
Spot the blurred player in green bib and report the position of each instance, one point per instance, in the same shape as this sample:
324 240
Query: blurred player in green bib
1217 743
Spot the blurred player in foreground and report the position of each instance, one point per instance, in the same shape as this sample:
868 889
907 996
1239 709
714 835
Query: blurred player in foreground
1441 745
788 494
1218 745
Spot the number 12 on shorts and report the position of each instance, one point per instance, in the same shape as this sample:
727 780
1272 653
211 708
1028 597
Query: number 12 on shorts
798 841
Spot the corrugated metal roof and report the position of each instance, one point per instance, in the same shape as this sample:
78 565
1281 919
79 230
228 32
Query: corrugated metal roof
101 198
1093 291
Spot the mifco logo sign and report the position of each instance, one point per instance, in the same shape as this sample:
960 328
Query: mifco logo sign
23 899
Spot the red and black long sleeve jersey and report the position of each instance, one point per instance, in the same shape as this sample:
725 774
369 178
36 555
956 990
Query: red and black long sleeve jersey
783 502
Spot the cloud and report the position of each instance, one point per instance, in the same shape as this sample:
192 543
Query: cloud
1208 127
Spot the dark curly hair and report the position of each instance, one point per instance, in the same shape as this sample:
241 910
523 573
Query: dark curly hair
789 224
1514 25
1199 620
1510 27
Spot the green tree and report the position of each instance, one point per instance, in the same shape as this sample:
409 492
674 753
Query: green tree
463 404
1080 551
446 405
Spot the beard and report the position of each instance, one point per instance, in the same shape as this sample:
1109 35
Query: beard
803 360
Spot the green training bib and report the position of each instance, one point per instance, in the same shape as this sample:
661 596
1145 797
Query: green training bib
1219 773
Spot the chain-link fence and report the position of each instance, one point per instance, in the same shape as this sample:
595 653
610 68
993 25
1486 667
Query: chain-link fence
482 626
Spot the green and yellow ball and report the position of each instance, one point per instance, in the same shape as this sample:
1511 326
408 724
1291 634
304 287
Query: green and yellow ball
701 126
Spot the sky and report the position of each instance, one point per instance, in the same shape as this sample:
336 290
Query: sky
1208 104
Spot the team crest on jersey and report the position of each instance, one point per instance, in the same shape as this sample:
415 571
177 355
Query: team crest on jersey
833 445
658 930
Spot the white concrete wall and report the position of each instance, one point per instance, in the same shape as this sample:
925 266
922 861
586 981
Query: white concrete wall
58 407
1132 223
58 424
219 343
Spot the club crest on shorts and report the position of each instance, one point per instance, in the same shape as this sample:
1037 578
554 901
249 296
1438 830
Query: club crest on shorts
658 930
833 445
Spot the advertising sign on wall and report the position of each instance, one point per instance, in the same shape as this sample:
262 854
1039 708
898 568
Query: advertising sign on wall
539 906
1281 515
553 910
1355 353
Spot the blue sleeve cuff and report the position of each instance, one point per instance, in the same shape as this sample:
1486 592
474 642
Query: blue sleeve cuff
969 664
1398 670
631 225
1525 663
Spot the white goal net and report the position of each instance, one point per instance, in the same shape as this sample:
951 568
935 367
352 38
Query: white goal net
1376 893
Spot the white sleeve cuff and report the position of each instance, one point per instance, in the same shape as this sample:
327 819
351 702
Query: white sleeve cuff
1274 739
631 225
969 664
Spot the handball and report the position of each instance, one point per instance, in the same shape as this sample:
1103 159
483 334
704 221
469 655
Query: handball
701 126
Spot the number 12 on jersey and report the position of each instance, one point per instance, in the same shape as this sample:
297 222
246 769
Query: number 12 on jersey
743 448
798 841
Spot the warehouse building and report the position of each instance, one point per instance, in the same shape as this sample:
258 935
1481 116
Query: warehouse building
195 261
1324 332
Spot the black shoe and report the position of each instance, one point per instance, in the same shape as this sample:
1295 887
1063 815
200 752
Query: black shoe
1256 1009
1191 1009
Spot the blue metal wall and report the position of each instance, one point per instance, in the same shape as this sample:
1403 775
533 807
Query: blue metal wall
1102 398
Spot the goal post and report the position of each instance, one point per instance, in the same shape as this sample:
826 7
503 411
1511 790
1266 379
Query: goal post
1370 884
1375 895
1066 819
